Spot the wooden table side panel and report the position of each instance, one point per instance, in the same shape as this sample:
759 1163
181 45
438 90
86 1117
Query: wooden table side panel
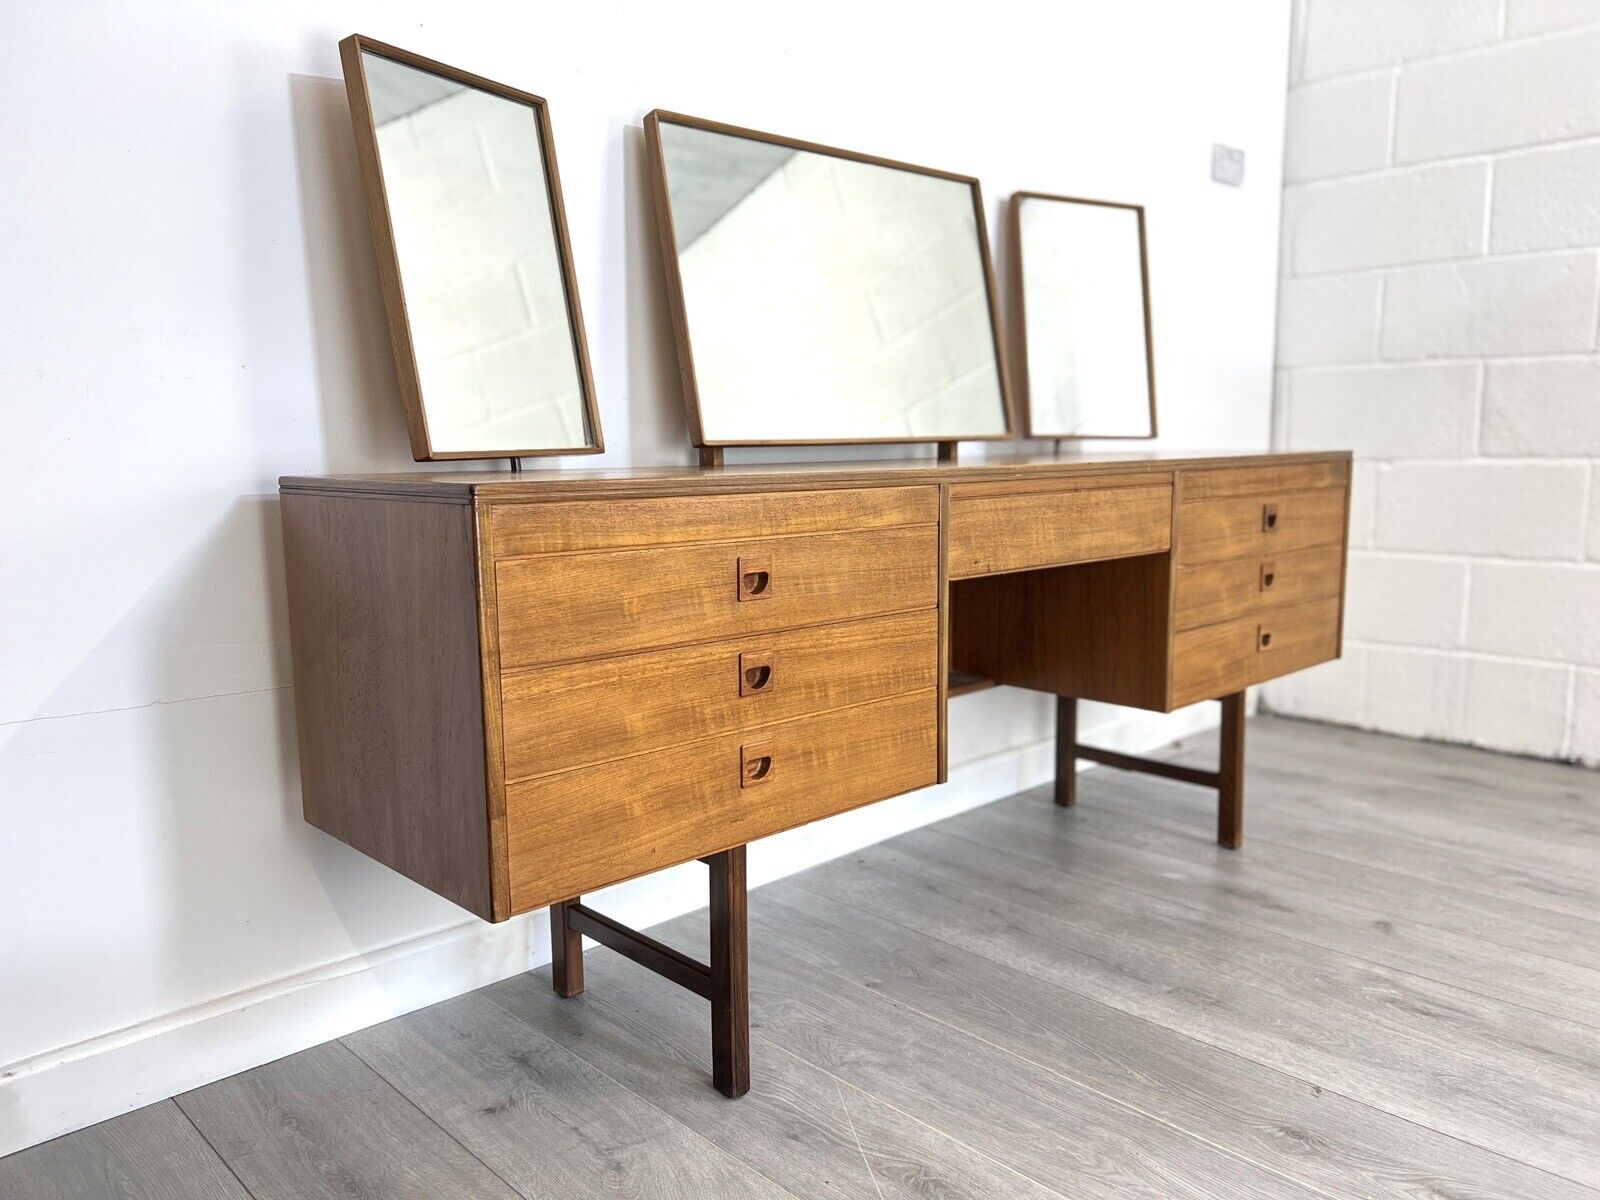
1220 591
1215 660
1034 529
388 692
547 527
1211 530
565 716
558 608
586 829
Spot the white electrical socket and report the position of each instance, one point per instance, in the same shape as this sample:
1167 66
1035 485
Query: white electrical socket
1227 165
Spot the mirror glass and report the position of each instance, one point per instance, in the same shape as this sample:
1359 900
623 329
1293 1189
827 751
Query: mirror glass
827 298
1085 318
482 266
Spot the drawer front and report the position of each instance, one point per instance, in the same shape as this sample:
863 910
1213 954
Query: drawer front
584 829
1218 659
991 534
554 527
1274 477
561 607
1219 591
1266 524
565 716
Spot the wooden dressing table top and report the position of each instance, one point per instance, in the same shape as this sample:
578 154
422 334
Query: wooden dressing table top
461 486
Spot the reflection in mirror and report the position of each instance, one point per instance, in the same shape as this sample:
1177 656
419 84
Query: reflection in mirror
484 305
823 296
1085 318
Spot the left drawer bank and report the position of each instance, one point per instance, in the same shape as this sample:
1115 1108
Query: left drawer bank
514 701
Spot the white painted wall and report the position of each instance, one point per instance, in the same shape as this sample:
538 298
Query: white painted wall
190 309
1441 275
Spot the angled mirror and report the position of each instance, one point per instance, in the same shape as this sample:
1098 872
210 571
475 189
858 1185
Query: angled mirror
474 259
1088 369
823 296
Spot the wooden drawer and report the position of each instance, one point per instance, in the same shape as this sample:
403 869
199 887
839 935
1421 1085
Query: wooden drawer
564 716
1275 477
561 607
1218 659
1001 527
553 527
573 833
1266 524
1219 591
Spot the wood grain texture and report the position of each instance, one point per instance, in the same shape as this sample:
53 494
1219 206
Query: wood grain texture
153 1153
543 1119
1320 1138
1218 659
1269 474
583 830
567 525
1209 530
1207 593
564 716
1036 528
556 608
1099 631
322 1125
388 686
802 1127
594 483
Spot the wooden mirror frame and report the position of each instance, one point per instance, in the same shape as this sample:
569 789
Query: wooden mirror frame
1014 225
394 300
666 228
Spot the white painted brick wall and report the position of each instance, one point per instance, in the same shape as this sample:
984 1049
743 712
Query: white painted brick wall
1438 313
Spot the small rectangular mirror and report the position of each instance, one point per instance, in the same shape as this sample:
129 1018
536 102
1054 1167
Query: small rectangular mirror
474 259
1089 369
821 296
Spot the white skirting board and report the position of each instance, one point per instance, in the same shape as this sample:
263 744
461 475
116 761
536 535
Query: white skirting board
66 1089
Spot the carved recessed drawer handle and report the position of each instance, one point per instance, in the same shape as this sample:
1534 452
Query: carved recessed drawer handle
755 577
1263 638
1269 575
756 764
755 672
1269 517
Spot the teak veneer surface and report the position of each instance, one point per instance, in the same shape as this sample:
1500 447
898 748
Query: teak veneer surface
552 608
565 716
636 815
520 688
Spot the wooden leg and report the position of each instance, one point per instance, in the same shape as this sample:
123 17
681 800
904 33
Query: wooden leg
730 974
1230 774
1066 751
566 951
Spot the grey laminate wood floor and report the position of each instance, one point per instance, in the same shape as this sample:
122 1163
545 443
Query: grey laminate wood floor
1392 991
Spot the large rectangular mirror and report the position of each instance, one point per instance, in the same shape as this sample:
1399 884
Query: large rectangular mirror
474 259
1084 303
821 296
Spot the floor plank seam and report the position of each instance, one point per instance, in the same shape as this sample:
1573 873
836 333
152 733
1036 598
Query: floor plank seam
1244 919
675 1118
200 1133
799 881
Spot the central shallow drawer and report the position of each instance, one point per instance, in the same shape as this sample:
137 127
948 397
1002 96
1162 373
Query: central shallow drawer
1216 660
584 829
1219 591
560 607
997 528
563 716
1271 523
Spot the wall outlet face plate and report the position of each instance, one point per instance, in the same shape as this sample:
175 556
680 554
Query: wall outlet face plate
1227 165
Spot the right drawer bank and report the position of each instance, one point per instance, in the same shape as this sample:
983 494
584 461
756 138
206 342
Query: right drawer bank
1259 577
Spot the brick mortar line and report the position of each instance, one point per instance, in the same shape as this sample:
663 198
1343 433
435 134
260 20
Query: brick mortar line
1499 42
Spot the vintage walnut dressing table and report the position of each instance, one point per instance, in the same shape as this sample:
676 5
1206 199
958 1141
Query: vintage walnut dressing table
518 688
